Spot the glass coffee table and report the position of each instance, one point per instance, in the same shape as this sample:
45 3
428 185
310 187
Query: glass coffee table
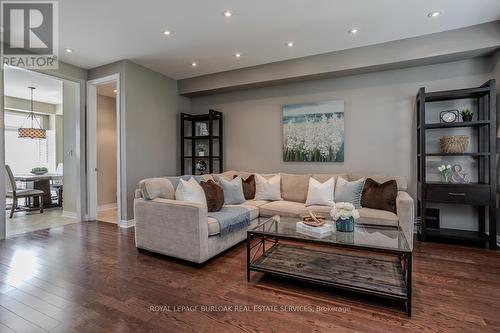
372 260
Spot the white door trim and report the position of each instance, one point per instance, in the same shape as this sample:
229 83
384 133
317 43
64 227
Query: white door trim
92 145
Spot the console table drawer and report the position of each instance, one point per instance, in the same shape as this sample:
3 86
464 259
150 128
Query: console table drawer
462 194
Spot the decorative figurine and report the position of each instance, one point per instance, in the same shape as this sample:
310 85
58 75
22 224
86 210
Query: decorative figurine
457 176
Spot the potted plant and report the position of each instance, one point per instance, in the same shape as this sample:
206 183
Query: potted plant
467 115
344 214
201 149
445 170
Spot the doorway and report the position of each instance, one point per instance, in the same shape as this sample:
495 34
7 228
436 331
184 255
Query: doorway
103 148
45 164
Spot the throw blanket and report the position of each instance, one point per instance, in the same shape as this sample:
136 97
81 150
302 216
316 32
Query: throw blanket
231 219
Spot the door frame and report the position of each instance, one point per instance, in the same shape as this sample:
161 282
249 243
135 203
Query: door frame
92 146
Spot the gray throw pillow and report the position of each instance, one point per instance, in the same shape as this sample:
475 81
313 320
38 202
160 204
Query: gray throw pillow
233 190
349 191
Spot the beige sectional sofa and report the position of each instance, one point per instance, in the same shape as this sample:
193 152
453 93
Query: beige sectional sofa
183 229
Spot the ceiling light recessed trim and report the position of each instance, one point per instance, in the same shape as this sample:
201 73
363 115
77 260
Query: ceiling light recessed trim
237 55
434 14
68 50
353 31
167 32
290 43
227 13
194 64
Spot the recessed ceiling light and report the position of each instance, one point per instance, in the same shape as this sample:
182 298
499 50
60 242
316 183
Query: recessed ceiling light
237 55
227 13
68 50
434 14
290 44
115 90
193 64
167 32
354 31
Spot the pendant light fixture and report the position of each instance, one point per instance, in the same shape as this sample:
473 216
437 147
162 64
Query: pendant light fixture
32 132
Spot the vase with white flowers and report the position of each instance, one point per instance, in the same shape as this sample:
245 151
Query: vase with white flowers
344 214
445 171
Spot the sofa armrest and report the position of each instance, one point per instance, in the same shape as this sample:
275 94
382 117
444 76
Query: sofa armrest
172 227
405 208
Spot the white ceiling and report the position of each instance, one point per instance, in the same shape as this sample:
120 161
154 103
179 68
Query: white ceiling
101 32
17 81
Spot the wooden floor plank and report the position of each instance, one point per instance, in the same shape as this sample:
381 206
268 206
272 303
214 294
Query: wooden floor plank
28 313
17 323
89 277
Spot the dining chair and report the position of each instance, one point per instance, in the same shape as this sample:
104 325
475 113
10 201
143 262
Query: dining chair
57 185
12 191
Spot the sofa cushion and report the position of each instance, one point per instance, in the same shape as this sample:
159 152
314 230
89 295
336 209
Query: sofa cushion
323 177
175 180
255 203
153 188
214 195
401 181
213 224
380 196
377 217
283 208
254 211
294 187
248 186
295 209
213 227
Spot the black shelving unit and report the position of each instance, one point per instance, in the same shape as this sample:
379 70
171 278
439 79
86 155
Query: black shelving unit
211 140
480 193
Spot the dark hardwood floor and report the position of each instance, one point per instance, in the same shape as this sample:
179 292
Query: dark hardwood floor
89 277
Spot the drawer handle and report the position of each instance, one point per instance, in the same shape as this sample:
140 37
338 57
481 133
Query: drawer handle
454 194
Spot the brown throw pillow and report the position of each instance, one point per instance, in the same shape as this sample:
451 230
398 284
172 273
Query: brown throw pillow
248 187
214 195
380 196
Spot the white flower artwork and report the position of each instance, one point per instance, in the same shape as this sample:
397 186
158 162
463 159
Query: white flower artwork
314 132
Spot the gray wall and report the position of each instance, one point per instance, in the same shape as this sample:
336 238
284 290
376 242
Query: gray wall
149 107
379 118
106 150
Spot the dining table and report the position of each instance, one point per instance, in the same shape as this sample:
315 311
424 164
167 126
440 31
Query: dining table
39 182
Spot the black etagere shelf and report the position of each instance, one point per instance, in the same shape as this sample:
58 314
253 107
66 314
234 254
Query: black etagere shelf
201 143
480 193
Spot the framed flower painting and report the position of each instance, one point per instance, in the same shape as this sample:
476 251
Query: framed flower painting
313 132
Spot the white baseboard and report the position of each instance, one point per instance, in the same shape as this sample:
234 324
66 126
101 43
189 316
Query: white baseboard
71 215
126 224
107 206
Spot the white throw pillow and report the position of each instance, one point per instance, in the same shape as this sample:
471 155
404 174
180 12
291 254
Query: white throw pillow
268 189
190 191
321 193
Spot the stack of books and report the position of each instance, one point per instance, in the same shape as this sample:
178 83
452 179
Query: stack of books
324 231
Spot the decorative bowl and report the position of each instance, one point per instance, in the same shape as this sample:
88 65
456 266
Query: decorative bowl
39 171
